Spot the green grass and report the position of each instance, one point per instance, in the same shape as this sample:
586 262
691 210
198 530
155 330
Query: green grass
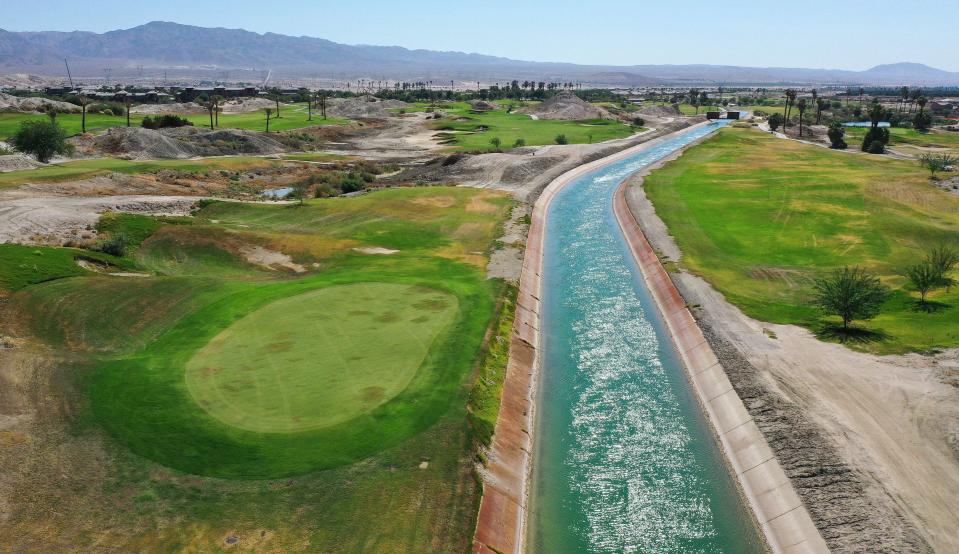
761 218
466 129
260 374
486 395
909 140
21 266
685 109
293 116
83 169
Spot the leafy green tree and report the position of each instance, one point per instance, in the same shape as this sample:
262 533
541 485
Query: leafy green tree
851 293
922 121
943 260
924 277
496 142
837 135
876 137
775 121
40 138
519 142
638 122
938 162
561 139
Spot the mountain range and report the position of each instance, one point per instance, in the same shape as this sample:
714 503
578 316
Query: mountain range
187 51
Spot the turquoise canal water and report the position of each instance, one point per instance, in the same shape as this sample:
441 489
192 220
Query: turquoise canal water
624 459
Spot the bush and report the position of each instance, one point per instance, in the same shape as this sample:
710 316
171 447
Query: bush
775 121
519 143
495 141
638 122
40 138
116 245
875 140
922 121
837 135
165 121
561 139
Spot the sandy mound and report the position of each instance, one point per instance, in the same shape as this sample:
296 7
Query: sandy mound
137 143
245 105
16 162
567 106
482 105
362 108
15 103
660 111
168 109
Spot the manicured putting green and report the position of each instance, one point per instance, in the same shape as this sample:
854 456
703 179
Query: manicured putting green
320 358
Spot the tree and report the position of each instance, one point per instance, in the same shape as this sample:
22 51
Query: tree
83 101
937 162
851 293
519 142
801 108
496 142
301 189
790 98
41 138
275 94
638 122
309 106
921 101
216 100
127 102
775 120
837 135
924 277
876 137
903 97
269 112
561 139
703 100
820 104
51 113
922 121
943 260
210 107
322 105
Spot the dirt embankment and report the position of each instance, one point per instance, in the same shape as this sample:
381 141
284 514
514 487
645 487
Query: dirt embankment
567 106
526 171
869 442
12 103
138 143
362 107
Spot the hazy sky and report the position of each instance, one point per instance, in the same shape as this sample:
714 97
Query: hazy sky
850 34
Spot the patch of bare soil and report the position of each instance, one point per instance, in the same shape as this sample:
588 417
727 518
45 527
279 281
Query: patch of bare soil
377 250
869 442
269 259
567 106
506 260
138 143
17 162
362 107
524 172
11 103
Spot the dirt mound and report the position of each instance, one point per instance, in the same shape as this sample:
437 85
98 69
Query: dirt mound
15 103
567 106
16 162
362 108
137 143
168 109
482 105
660 111
246 105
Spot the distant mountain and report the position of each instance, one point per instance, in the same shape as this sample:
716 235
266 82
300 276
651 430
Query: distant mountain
198 52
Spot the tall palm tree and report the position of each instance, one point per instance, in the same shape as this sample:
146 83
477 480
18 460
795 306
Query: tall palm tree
801 107
83 101
210 107
903 96
275 93
820 104
269 112
790 98
217 100
921 101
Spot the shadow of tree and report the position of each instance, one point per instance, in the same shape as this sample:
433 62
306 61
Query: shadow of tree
836 332
929 306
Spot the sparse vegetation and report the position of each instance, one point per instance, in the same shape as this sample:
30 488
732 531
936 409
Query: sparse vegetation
42 139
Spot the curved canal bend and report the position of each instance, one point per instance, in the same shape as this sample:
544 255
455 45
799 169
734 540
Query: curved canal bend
624 457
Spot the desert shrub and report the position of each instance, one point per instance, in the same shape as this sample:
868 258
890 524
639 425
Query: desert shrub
165 121
519 142
116 245
837 136
922 121
638 122
40 138
875 140
561 139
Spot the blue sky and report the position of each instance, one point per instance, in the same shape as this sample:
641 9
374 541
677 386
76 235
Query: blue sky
851 34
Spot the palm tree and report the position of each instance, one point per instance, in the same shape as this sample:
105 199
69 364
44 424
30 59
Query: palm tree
210 107
861 91
269 112
217 99
790 98
275 93
83 101
903 96
309 106
801 106
322 97
820 104
921 101
127 102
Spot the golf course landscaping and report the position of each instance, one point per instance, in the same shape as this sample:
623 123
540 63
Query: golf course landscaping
292 116
220 377
761 218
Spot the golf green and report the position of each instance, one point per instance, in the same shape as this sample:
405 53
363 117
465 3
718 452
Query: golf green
319 358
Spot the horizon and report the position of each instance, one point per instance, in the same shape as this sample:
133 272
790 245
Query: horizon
610 44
